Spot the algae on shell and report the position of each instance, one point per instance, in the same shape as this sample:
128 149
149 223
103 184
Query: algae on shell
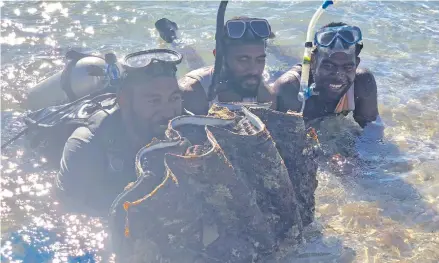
231 198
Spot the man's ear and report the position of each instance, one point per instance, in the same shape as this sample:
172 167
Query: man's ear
358 61
214 52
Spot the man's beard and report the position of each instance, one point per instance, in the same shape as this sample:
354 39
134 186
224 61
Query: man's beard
141 128
246 90
146 130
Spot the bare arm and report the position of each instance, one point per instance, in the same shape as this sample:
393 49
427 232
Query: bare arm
194 96
191 57
285 90
366 98
265 95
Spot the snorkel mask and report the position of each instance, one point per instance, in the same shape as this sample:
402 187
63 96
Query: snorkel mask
247 29
154 62
338 39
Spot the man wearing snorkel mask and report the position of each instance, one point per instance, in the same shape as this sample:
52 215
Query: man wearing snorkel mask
241 77
98 159
337 85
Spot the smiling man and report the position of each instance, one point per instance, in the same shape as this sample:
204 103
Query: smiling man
242 71
338 85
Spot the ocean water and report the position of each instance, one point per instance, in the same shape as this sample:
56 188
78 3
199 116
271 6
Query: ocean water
380 206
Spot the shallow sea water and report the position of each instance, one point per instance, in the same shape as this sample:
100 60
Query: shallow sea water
381 205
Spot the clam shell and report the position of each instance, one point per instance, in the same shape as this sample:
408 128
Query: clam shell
232 185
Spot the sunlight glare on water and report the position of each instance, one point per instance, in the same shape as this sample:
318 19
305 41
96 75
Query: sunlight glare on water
377 201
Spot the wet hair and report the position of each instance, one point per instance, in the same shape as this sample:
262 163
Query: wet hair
358 46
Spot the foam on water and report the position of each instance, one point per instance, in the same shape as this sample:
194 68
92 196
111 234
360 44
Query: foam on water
375 203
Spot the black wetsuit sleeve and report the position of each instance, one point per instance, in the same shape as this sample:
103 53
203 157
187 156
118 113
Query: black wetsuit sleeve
366 98
81 179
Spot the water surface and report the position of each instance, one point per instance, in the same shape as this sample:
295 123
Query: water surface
381 207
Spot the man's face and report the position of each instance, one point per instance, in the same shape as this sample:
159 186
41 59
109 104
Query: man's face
155 102
334 74
246 64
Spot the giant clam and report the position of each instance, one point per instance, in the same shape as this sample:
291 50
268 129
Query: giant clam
227 187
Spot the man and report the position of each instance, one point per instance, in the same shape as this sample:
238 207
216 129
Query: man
98 160
338 86
244 55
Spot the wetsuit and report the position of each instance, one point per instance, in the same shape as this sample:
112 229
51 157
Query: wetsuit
96 164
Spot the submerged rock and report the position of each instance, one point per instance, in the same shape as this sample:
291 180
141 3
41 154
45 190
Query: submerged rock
223 188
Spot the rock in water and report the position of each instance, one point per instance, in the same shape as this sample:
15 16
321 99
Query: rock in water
245 186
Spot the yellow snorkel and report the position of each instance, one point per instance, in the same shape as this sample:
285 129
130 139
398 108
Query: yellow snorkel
304 90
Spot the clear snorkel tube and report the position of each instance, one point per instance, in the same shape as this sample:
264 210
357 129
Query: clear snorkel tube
304 93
